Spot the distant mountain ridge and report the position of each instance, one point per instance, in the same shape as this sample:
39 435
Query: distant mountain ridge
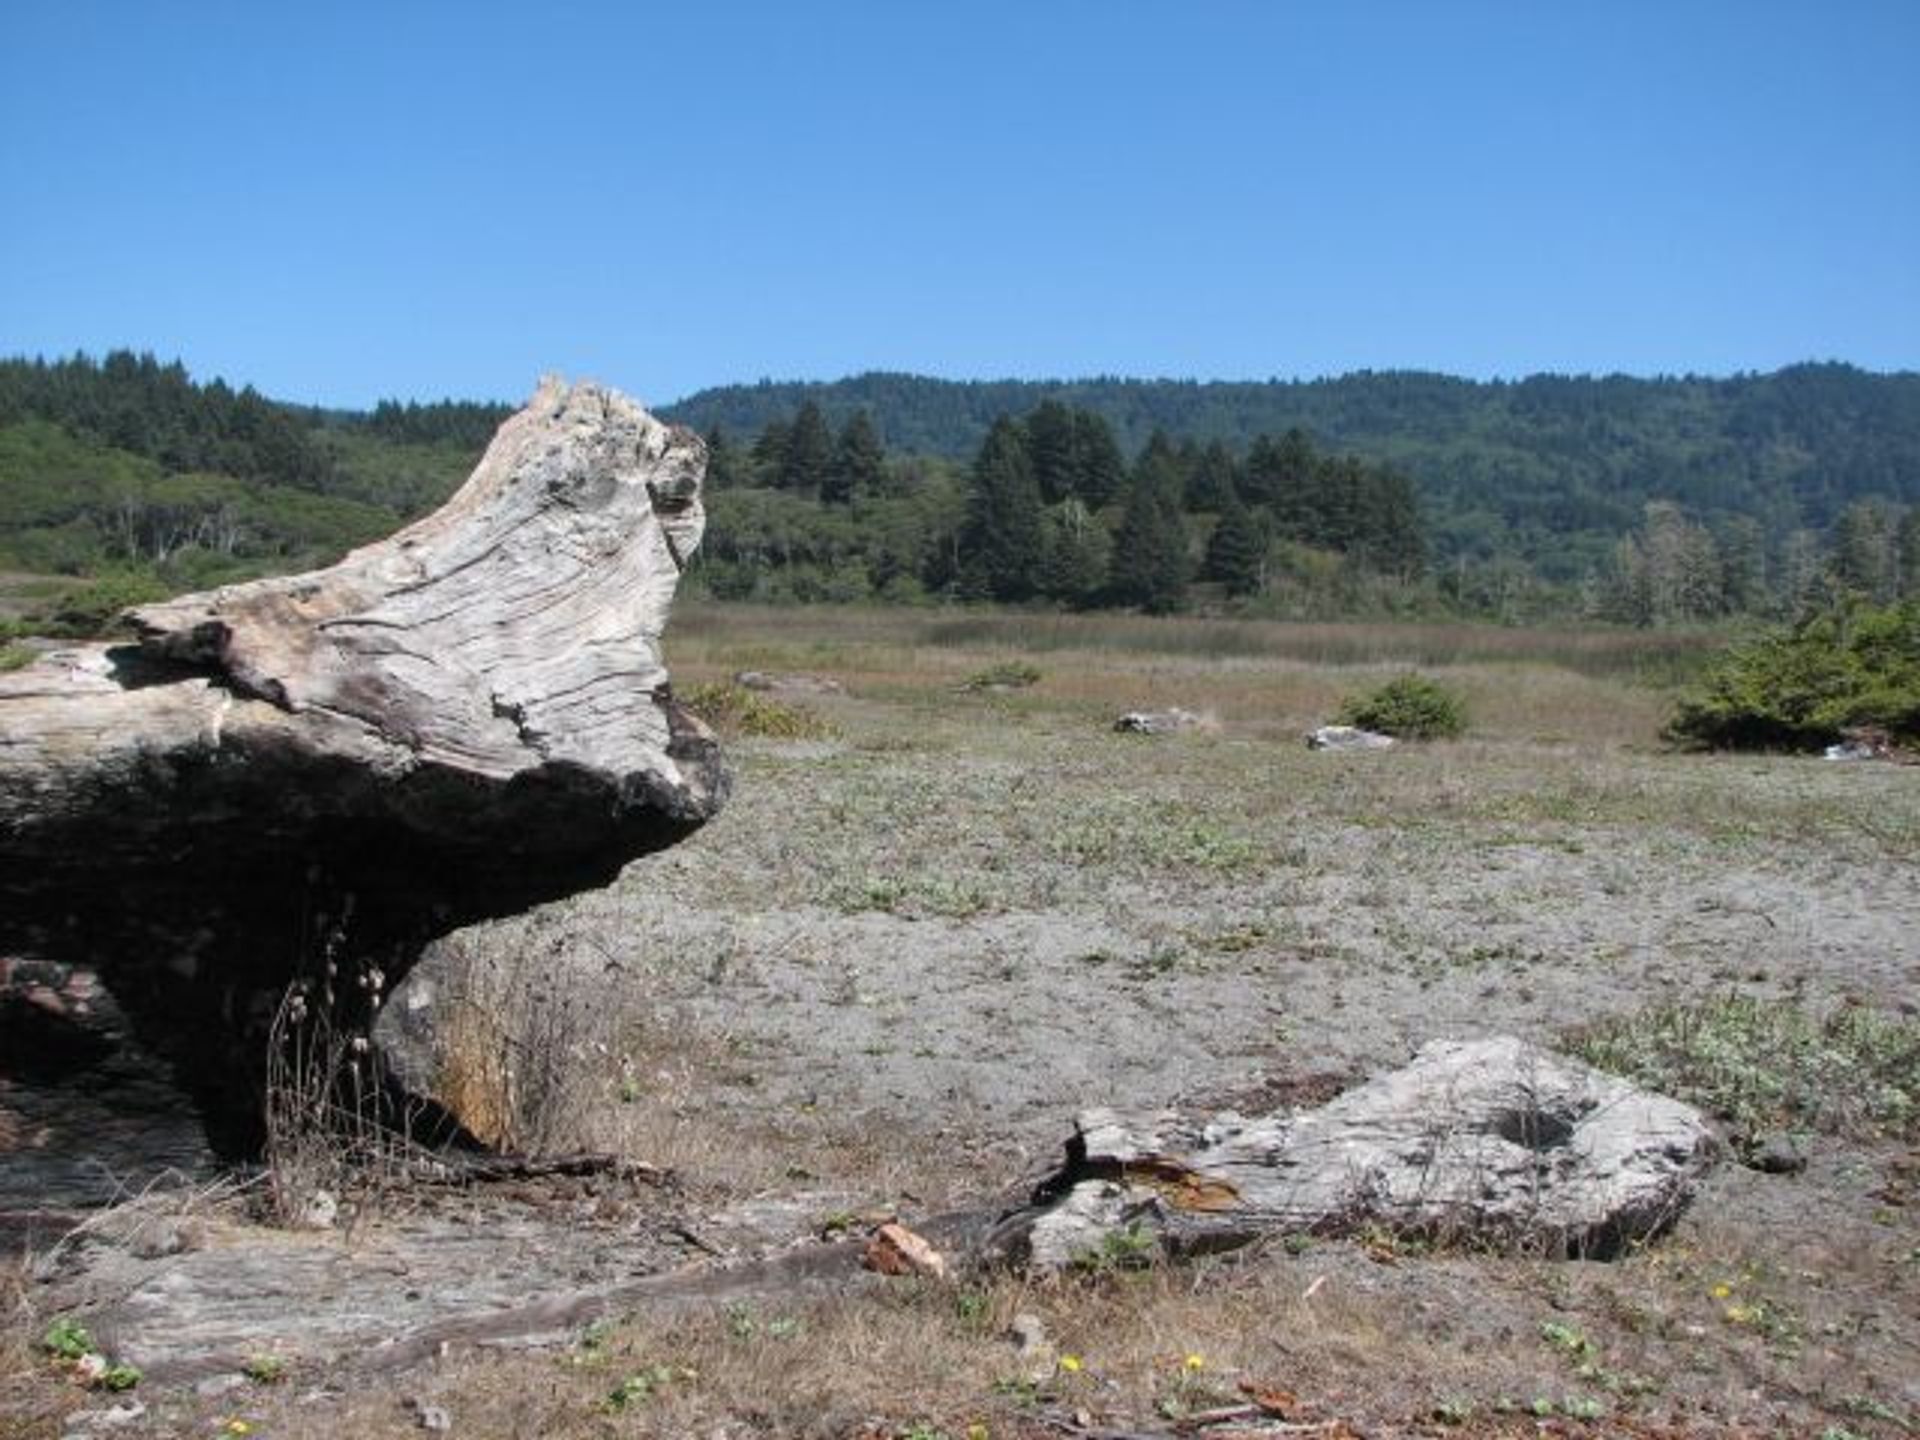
950 417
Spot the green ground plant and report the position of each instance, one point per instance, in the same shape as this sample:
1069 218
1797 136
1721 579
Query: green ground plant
1410 707
1760 1064
67 1339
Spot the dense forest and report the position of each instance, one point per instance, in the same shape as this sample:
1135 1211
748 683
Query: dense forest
1637 501
1527 488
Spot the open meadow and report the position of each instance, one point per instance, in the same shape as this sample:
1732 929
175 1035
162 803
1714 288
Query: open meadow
937 918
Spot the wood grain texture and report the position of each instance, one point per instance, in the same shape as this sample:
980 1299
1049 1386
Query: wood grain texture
458 722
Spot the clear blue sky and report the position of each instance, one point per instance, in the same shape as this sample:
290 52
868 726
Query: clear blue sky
339 202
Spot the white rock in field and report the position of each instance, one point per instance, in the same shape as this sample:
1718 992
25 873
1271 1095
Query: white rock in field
1347 737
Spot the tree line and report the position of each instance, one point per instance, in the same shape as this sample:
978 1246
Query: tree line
1638 502
1525 486
1049 510
1673 569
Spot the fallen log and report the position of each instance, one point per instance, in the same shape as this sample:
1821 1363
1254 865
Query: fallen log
453 724
1493 1142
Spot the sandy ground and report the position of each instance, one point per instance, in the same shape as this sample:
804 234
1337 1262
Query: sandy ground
989 937
885 979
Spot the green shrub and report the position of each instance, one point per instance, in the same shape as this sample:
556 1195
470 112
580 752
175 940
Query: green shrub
735 710
89 611
1410 706
1856 666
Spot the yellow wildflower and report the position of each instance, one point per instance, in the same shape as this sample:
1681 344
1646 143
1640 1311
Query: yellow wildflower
1721 1292
1070 1363
1195 1361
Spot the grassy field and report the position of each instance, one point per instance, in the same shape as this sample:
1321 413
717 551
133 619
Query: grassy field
936 919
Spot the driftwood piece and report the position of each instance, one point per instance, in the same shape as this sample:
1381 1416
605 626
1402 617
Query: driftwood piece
403 1293
1493 1141
455 723
1489 1141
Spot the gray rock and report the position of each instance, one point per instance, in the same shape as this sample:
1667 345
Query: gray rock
433 1417
1852 750
1347 737
1776 1153
114 1417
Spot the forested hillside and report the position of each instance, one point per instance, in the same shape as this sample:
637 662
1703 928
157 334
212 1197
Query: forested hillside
128 472
1545 474
1638 501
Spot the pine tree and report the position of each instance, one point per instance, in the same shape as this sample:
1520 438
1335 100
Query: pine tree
1001 544
1212 483
1149 567
1073 565
1053 451
769 453
1278 475
1237 549
859 464
723 461
809 452
1099 472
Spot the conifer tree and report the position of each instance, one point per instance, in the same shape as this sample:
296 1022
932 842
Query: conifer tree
809 452
1099 472
1149 567
1001 544
1073 564
1053 451
723 461
1280 475
1237 549
769 453
859 464
1211 480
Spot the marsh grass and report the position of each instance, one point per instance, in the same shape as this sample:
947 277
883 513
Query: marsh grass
1263 678
759 634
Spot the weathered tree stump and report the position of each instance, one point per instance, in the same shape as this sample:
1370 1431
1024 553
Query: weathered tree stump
1493 1142
456 723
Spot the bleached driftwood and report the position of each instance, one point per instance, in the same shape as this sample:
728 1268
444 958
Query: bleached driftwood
458 722
1493 1141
